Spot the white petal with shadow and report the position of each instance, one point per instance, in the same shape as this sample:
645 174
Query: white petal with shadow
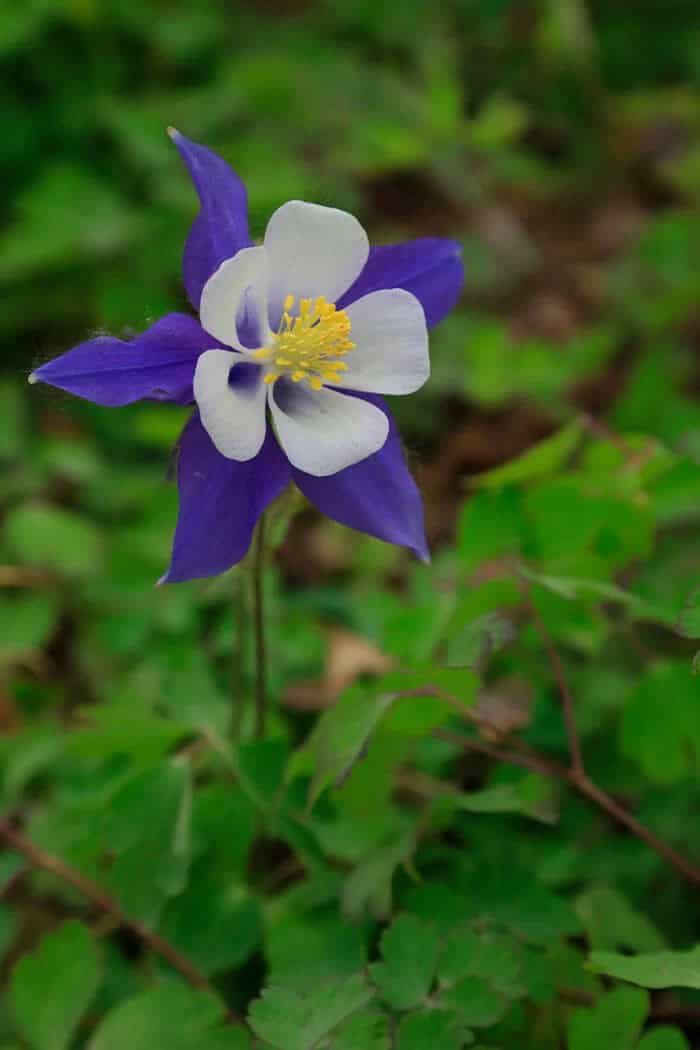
232 413
312 251
391 344
322 431
235 291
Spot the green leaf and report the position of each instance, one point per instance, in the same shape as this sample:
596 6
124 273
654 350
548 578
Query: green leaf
689 619
291 1020
663 1038
477 1004
28 621
53 538
365 1030
431 1030
410 950
546 457
491 959
610 922
661 721
490 526
8 928
52 987
170 1015
343 731
653 969
615 1020
148 827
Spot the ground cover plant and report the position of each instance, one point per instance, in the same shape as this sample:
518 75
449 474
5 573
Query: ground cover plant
335 797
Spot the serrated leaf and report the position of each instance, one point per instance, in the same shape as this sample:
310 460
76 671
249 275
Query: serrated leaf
476 1003
431 1030
290 1020
616 1019
52 987
410 950
491 959
652 969
170 1015
363 1031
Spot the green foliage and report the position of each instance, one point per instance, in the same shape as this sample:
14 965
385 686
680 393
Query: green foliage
52 988
368 876
653 969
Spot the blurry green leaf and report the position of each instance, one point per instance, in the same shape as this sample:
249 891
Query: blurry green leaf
148 828
490 526
542 459
616 1020
66 213
529 795
28 621
689 619
363 1031
410 950
476 1002
343 731
13 414
610 922
173 1015
8 929
125 728
52 987
488 958
369 886
651 970
661 721
430 1030
289 1020
53 538
663 1038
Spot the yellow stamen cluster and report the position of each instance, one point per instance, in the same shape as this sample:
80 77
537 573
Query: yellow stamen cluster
309 343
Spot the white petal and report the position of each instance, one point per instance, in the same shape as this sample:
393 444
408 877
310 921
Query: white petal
233 416
312 251
322 431
237 288
391 344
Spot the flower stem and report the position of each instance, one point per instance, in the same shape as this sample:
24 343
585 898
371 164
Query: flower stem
240 624
258 571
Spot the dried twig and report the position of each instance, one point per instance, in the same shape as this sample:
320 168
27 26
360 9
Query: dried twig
45 861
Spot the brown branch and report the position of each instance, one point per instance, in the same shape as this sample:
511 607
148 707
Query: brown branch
44 861
565 694
539 763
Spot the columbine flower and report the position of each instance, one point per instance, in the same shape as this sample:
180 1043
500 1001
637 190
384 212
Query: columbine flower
295 340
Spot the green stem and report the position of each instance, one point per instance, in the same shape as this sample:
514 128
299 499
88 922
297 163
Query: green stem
240 625
258 568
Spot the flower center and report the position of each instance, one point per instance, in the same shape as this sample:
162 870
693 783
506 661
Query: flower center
309 343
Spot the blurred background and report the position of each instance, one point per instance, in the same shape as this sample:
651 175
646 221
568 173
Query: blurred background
558 140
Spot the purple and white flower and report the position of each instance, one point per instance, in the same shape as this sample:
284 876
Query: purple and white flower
296 339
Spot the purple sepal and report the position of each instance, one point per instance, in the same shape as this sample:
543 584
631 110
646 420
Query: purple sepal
221 228
377 496
157 365
430 268
220 502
